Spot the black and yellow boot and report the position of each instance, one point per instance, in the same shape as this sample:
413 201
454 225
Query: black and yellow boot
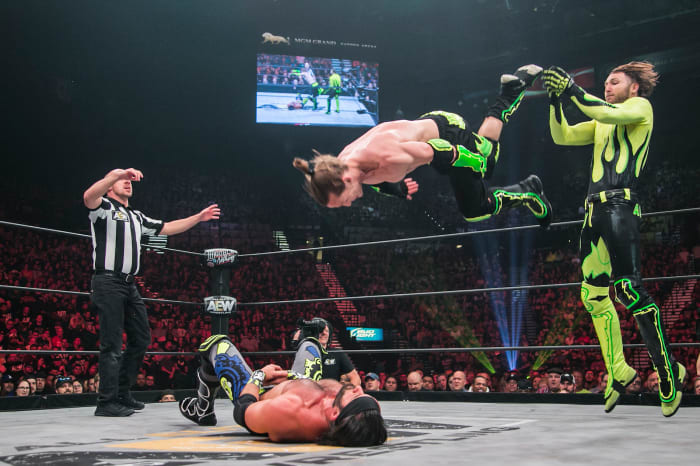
528 193
596 300
671 374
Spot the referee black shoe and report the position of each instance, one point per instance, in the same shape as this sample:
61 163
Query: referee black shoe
113 409
130 402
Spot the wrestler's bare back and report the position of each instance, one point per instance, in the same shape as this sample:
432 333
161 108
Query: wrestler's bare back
391 150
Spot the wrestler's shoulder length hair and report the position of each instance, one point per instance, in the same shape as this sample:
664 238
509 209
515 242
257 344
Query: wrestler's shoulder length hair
363 429
323 176
641 72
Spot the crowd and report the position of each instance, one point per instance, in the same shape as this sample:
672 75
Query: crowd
48 321
285 69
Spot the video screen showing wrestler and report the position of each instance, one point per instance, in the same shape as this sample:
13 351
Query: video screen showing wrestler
281 404
301 90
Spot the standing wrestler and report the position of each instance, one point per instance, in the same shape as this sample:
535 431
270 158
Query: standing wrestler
280 403
335 88
384 155
313 360
116 240
307 75
620 129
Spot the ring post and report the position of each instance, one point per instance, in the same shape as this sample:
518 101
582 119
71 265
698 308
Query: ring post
220 305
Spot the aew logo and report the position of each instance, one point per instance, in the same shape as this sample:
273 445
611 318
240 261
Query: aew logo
219 305
273 39
119 216
329 362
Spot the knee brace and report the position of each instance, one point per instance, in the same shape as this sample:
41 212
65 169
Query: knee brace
480 156
630 292
219 353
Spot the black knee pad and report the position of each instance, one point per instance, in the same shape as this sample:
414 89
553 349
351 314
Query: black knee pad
630 292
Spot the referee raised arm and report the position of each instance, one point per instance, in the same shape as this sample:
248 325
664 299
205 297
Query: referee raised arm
116 241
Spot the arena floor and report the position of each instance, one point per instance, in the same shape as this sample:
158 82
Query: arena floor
420 433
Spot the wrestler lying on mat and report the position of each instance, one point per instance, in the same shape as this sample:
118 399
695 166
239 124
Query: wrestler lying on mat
384 155
281 404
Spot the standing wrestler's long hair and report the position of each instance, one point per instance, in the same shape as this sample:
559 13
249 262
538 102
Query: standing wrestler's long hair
642 73
323 174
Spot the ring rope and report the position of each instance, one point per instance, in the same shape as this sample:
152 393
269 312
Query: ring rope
452 292
83 235
364 297
454 235
486 349
367 243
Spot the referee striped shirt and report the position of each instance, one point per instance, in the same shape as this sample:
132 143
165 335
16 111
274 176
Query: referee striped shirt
116 236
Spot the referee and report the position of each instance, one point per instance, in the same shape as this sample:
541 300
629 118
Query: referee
116 240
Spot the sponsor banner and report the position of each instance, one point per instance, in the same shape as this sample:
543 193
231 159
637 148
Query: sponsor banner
366 333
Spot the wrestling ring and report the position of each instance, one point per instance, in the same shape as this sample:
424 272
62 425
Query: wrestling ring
500 428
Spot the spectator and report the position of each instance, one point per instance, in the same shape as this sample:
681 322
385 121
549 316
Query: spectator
457 381
31 379
77 386
696 386
441 382
390 384
480 385
567 384
602 383
511 385
554 379
428 383
590 381
64 385
415 382
23 388
40 383
635 387
150 382
8 385
371 382
652 384
167 396
140 384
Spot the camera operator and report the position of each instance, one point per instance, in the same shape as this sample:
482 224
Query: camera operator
314 360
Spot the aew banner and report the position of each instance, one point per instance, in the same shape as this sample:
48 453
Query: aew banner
219 305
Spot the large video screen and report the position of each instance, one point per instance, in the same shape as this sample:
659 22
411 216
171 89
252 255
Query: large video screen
299 90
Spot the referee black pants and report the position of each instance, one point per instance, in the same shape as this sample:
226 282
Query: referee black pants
120 309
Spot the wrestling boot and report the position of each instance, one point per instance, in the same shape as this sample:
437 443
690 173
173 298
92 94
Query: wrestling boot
617 385
528 193
513 87
596 300
650 322
200 409
669 408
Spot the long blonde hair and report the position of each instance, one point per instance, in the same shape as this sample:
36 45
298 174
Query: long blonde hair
323 175
642 73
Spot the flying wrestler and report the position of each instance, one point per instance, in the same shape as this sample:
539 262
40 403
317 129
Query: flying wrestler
384 155
620 130
281 404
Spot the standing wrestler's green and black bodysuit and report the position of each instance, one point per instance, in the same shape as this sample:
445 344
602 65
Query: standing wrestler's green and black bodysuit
610 237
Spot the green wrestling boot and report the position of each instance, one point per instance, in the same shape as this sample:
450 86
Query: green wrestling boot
616 386
669 408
